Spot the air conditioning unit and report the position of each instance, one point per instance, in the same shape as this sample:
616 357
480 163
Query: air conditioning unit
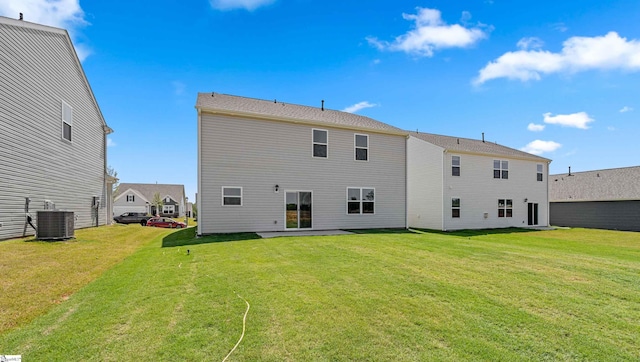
55 225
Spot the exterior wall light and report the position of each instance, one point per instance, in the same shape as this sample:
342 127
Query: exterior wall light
276 188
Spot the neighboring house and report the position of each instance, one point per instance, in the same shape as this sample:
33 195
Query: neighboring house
273 166
459 183
133 197
600 199
53 151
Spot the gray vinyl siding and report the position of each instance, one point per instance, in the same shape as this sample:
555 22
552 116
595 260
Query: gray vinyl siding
613 215
38 71
257 155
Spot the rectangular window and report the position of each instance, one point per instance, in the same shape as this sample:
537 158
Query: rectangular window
539 174
362 147
320 143
505 208
455 165
131 198
168 209
361 200
500 169
455 207
67 121
231 196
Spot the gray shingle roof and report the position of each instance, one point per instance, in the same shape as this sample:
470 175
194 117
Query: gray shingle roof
467 145
236 105
148 190
599 185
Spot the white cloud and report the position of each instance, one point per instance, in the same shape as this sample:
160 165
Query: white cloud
539 147
578 54
239 4
577 120
530 43
561 27
430 33
626 109
610 128
535 127
110 143
178 87
358 106
65 14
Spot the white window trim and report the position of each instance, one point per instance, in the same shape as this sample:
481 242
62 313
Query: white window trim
501 169
232 187
319 143
505 208
459 166
459 207
63 122
541 172
361 200
356 147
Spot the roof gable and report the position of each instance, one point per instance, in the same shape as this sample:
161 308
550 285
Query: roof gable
598 185
40 30
287 112
176 192
467 145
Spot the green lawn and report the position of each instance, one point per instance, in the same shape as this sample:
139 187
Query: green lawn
489 295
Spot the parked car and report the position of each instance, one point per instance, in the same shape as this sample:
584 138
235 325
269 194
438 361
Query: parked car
132 218
165 222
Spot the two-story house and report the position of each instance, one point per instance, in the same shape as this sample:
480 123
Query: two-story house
139 197
53 149
460 183
274 166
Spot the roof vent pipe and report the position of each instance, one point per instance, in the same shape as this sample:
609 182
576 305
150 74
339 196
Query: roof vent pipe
482 137
322 107
21 18
569 171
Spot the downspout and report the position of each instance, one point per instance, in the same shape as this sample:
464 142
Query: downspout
199 195
406 183
444 155
107 130
548 201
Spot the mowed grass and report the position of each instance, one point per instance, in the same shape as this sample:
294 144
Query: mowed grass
489 295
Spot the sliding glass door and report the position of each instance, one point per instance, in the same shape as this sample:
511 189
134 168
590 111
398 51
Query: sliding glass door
298 209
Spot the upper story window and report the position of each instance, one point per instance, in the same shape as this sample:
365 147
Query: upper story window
455 207
232 196
500 169
362 147
455 165
361 200
67 121
539 173
168 199
320 143
131 198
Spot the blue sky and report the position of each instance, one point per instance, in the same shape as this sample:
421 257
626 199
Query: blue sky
556 78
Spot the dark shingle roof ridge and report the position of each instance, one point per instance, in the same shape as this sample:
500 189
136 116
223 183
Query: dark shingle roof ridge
459 147
303 113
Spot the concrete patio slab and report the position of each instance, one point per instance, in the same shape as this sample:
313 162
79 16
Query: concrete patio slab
277 234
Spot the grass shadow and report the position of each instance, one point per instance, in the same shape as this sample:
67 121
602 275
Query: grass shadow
477 232
188 237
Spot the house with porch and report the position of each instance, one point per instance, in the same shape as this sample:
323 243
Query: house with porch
53 142
139 197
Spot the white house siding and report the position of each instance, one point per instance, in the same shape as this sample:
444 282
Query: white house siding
38 70
258 154
424 184
479 192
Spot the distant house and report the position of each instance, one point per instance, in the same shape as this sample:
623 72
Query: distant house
134 197
600 199
53 152
272 166
460 183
